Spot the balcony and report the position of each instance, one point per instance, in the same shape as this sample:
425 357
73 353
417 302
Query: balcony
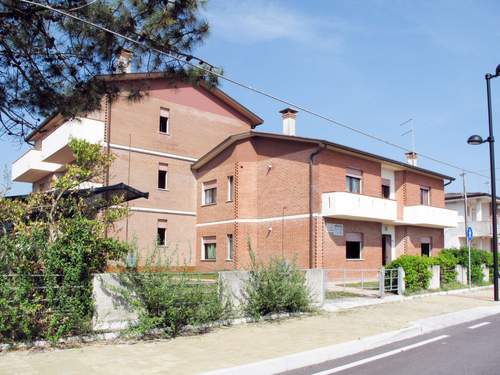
31 168
55 148
479 228
351 206
427 216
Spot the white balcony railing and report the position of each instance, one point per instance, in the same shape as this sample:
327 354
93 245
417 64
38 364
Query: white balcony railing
55 147
360 207
31 168
428 216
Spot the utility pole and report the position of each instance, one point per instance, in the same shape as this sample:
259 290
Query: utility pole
466 226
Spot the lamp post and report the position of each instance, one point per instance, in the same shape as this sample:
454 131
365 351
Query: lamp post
477 140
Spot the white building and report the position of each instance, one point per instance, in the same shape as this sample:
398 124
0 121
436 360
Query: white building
478 218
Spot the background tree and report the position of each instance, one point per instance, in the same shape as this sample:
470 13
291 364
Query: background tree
49 62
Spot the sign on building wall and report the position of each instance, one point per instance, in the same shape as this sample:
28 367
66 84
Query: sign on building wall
335 229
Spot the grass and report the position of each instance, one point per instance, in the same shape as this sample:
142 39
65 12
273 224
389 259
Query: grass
365 285
331 294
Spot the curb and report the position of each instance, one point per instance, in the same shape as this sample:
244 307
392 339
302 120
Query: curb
355 303
316 356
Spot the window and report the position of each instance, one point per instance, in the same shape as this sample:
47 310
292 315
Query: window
162 176
161 233
230 188
425 246
353 246
230 247
209 248
386 188
210 192
164 124
425 195
353 180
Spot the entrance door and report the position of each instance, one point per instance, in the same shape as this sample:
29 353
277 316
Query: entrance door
386 248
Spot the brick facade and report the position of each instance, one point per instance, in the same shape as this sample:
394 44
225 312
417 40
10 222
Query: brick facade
271 206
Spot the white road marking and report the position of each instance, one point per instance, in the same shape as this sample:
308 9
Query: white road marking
479 325
380 356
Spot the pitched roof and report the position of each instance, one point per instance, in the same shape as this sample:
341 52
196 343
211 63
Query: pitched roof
331 145
253 119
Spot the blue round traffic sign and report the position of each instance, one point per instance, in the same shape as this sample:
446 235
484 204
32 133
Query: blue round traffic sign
470 235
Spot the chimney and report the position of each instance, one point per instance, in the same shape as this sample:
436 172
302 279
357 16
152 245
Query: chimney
411 158
288 115
124 64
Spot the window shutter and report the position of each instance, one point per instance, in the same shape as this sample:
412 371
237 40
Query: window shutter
354 172
162 224
425 240
354 237
210 184
386 182
164 112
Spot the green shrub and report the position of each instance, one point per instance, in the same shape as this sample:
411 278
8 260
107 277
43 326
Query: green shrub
50 246
168 300
447 262
478 258
276 287
417 274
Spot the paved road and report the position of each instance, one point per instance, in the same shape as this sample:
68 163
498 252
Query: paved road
467 349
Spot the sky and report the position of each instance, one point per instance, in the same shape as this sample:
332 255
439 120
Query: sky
370 64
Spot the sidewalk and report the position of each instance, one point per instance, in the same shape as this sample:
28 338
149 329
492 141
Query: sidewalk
232 346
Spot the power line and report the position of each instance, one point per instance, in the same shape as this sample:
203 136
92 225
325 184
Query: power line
186 59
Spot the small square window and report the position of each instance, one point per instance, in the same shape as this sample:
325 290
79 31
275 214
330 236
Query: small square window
353 184
354 246
164 121
209 248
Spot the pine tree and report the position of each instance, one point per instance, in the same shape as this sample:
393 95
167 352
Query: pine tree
50 62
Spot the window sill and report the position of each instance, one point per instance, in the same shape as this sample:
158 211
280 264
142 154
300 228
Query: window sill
208 260
162 133
208 204
355 260
230 201
229 260
160 189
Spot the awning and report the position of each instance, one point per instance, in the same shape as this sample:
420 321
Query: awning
104 194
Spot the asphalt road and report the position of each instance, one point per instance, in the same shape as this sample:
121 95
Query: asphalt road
466 349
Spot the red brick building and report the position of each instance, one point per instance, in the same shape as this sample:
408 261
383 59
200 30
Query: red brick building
324 204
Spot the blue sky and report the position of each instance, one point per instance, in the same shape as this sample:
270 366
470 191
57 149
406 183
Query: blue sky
369 63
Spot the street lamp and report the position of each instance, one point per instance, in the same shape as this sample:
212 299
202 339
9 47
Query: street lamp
477 140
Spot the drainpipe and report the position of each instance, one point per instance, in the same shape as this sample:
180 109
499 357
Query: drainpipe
449 182
320 148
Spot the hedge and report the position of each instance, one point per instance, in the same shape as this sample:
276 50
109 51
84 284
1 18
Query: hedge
417 273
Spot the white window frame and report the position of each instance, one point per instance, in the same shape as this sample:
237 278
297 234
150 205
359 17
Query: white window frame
230 188
208 240
230 247
162 111
208 186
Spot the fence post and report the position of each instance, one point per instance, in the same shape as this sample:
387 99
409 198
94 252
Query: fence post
401 281
381 282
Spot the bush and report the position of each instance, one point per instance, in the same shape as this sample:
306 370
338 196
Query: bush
50 245
276 287
417 274
478 258
447 262
169 300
